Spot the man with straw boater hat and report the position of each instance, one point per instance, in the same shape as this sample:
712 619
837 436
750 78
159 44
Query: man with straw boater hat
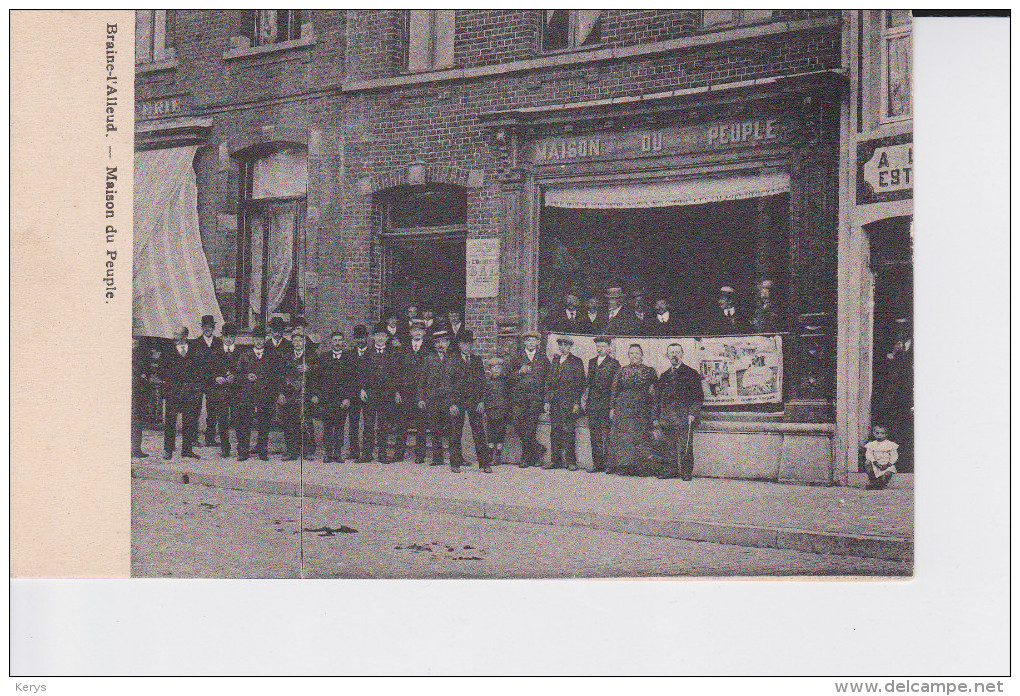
564 386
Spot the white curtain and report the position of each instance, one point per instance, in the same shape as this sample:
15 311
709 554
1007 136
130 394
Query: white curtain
172 284
283 174
279 224
585 23
669 193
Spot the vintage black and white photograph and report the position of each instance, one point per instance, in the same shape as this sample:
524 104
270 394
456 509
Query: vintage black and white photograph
522 294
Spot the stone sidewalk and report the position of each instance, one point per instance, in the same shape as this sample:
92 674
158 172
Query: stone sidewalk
846 520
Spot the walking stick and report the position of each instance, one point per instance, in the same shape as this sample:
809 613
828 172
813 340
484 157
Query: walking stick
688 441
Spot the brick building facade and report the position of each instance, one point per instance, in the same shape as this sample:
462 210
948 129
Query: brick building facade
422 131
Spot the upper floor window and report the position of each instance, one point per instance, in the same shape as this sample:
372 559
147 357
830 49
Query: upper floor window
428 39
897 56
720 19
266 27
563 29
153 36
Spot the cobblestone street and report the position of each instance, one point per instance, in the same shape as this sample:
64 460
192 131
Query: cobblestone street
197 531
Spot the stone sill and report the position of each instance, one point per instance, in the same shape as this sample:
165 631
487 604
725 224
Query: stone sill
238 53
581 56
147 68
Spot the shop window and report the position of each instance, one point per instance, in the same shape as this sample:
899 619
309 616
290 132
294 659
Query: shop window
428 37
720 19
154 30
565 29
897 55
270 247
268 27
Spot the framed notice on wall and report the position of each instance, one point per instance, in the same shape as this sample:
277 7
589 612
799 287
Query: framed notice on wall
483 267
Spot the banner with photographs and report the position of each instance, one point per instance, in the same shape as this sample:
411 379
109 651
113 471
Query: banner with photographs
734 370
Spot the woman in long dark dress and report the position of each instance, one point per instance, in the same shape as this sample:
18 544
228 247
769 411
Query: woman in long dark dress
632 410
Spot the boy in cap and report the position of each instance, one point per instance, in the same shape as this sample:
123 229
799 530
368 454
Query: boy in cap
564 387
527 374
602 371
204 347
497 412
181 372
380 395
468 394
257 372
223 389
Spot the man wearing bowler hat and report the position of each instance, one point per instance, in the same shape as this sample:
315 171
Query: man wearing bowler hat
204 347
564 387
276 342
527 374
619 320
258 374
380 395
468 384
224 385
602 371
181 372
355 358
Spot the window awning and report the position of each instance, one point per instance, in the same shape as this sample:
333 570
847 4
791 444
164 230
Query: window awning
670 193
172 283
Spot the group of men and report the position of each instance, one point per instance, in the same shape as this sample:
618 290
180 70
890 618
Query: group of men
623 316
407 375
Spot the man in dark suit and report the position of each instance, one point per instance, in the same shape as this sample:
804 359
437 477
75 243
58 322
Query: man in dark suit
224 385
380 395
468 388
181 372
456 326
679 397
258 374
569 319
728 320
564 386
355 358
203 347
431 325
276 342
412 359
618 320
435 393
602 371
295 398
333 393
299 324
141 363
664 322
641 314
766 317
527 373
394 339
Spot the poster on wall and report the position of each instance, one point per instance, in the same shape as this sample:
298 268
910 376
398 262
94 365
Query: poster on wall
483 267
734 370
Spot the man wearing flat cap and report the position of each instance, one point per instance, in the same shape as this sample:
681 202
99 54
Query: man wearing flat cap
224 385
258 374
564 387
468 387
526 373
204 347
380 395
602 371
728 319
618 320
181 372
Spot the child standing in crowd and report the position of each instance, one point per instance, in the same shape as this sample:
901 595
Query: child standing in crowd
880 455
496 412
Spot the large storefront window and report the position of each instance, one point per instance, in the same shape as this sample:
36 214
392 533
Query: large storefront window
270 247
678 241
